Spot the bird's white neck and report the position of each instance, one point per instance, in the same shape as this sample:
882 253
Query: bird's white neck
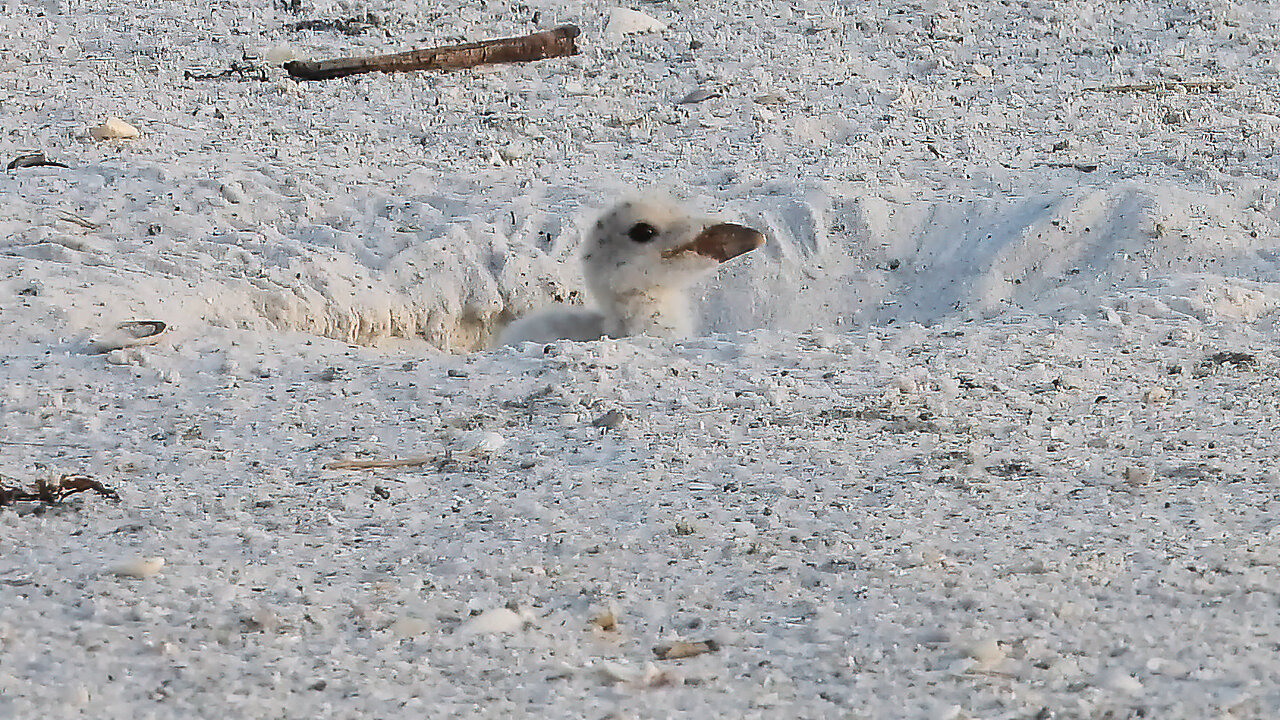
657 312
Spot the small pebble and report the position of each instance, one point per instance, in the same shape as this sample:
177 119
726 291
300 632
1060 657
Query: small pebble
1137 475
609 420
232 191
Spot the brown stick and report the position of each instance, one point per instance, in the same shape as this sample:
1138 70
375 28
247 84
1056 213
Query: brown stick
526 48
1209 85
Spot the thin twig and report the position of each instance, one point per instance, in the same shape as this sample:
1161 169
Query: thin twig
374 464
51 443
526 48
77 220
1165 86
1082 167
240 71
354 25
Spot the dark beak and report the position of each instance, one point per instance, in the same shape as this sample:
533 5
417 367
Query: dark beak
720 242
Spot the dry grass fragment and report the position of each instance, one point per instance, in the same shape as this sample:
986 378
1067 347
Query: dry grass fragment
1165 86
374 464
245 70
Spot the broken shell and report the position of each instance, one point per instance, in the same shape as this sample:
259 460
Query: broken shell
142 567
987 652
650 676
279 55
493 622
681 649
1121 681
617 672
409 626
629 22
126 356
606 620
36 159
771 98
479 443
654 676
130 333
609 420
697 95
114 129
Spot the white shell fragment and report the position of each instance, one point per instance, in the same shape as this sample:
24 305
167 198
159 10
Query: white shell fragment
410 626
142 567
630 22
114 129
650 676
988 653
279 55
698 95
496 621
131 333
771 98
126 356
1121 681
478 443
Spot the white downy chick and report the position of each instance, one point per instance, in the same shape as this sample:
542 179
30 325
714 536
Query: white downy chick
638 261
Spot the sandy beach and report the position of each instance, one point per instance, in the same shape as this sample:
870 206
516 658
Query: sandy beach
986 429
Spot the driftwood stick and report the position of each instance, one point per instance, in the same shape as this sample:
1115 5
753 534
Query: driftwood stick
526 48
1165 86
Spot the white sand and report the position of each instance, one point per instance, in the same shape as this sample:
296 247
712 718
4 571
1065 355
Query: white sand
949 446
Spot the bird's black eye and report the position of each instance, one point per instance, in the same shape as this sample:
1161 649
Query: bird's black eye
642 232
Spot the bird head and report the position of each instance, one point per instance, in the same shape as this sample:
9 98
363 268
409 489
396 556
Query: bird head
641 246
